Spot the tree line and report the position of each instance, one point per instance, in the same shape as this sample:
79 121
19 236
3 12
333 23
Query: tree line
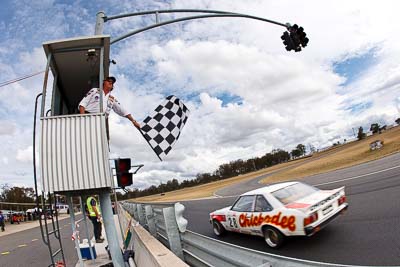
15 194
374 128
224 171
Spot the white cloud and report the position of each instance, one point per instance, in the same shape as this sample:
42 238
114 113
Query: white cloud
7 128
25 155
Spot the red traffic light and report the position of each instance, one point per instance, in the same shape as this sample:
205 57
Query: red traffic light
124 180
122 167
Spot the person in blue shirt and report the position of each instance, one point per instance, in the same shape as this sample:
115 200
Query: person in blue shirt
2 224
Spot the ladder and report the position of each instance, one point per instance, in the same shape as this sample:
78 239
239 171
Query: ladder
49 226
56 256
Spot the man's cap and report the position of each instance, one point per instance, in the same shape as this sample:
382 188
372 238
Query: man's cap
112 78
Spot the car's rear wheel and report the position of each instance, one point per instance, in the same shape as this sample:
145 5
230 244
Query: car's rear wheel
219 230
273 237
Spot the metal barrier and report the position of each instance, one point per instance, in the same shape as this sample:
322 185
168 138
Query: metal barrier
166 223
149 252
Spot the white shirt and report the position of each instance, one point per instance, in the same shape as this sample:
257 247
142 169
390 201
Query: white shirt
91 103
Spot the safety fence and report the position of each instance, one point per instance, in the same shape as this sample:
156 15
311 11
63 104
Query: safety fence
166 223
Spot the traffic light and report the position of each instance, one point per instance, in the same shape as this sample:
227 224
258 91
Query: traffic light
302 37
287 41
295 39
124 177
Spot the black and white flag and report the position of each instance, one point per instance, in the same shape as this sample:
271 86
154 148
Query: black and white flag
163 128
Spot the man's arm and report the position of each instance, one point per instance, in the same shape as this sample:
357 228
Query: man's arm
82 110
95 211
122 112
134 122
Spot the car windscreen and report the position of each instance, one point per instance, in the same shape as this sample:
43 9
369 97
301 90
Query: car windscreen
294 192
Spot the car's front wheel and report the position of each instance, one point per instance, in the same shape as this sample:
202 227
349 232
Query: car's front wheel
219 230
273 237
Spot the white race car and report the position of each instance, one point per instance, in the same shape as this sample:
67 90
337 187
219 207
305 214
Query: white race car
279 210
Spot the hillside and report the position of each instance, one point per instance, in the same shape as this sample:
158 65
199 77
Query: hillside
337 157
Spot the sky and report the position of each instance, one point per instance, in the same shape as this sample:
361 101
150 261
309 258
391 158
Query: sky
247 95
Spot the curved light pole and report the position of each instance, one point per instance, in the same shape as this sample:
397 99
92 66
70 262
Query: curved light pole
293 41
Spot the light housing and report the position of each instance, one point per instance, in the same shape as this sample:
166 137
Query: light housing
124 177
341 200
311 218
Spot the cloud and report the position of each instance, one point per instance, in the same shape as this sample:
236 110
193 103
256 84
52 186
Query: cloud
25 155
7 128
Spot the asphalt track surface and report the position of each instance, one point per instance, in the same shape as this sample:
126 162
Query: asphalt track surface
367 234
26 248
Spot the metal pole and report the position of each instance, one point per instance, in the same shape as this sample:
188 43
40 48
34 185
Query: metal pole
46 76
111 231
72 217
171 228
54 93
196 17
98 30
86 229
141 214
116 209
161 11
151 222
101 78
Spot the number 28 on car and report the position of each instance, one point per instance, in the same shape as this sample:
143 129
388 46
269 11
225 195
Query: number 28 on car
279 210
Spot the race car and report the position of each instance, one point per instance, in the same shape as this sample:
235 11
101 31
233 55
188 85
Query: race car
280 210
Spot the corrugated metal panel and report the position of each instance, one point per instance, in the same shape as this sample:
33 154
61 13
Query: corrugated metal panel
74 153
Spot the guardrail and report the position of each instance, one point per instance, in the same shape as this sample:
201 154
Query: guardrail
166 223
148 251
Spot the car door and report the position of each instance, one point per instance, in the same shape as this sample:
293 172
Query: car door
243 207
262 209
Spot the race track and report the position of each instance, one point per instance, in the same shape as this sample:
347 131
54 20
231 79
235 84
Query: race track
367 234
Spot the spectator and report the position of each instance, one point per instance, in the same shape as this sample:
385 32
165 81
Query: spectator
15 218
2 223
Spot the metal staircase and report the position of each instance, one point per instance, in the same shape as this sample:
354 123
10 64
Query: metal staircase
48 218
49 227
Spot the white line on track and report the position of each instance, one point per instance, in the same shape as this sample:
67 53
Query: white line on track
358 176
338 181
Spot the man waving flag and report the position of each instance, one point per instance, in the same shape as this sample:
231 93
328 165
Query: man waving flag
163 128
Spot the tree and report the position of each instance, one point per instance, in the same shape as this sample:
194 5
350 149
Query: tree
397 121
361 134
375 128
311 148
295 153
302 149
17 194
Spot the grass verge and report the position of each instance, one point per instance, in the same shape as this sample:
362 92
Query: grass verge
347 155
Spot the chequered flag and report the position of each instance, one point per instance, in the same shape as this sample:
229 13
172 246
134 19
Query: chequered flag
163 128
